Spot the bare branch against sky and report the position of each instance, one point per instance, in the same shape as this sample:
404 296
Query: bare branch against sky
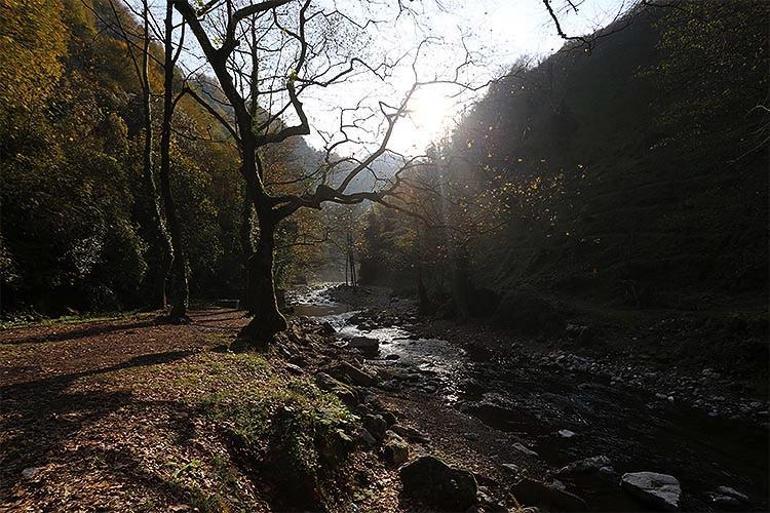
494 33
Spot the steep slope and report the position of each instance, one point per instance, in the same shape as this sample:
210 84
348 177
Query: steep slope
625 178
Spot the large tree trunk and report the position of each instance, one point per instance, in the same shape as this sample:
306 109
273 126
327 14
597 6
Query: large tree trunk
180 291
260 285
267 320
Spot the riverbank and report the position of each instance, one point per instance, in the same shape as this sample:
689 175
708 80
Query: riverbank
126 414
639 412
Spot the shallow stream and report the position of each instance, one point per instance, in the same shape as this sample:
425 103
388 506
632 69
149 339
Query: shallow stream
534 402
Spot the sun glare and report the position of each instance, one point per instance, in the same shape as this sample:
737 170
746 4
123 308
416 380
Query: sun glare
430 113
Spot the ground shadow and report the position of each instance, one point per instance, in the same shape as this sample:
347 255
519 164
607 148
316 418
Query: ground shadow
37 416
88 331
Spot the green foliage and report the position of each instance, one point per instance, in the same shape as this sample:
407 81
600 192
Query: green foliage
714 60
74 204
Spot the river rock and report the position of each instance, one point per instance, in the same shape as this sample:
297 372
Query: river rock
732 492
345 371
728 499
294 369
552 495
366 345
437 485
346 394
586 465
395 450
657 490
29 473
510 467
364 437
375 424
326 328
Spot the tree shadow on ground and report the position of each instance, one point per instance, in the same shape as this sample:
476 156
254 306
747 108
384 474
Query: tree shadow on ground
88 331
36 417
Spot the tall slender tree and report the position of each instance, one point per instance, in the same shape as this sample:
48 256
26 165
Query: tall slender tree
160 242
179 289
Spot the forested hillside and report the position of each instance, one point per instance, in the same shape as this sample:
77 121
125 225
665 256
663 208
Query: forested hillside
628 175
76 213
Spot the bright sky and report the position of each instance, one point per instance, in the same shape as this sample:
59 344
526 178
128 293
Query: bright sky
497 32
503 31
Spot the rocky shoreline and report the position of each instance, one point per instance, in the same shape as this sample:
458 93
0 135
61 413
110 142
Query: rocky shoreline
360 363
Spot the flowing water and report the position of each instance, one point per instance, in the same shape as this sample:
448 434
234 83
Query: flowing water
534 402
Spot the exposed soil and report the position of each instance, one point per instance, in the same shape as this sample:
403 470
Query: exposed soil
88 424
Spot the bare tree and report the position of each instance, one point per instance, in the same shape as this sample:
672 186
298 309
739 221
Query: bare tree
168 240
266 56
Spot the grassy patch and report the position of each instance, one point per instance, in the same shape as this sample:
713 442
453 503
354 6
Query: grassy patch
277 427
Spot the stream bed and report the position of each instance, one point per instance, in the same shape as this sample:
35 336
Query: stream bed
635 430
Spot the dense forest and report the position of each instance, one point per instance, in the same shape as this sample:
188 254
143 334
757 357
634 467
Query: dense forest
227 286
79 219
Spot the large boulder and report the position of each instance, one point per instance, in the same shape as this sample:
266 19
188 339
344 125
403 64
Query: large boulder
659 491
437 485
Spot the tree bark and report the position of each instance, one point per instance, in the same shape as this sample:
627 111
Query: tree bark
267 320
179 290
247 249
